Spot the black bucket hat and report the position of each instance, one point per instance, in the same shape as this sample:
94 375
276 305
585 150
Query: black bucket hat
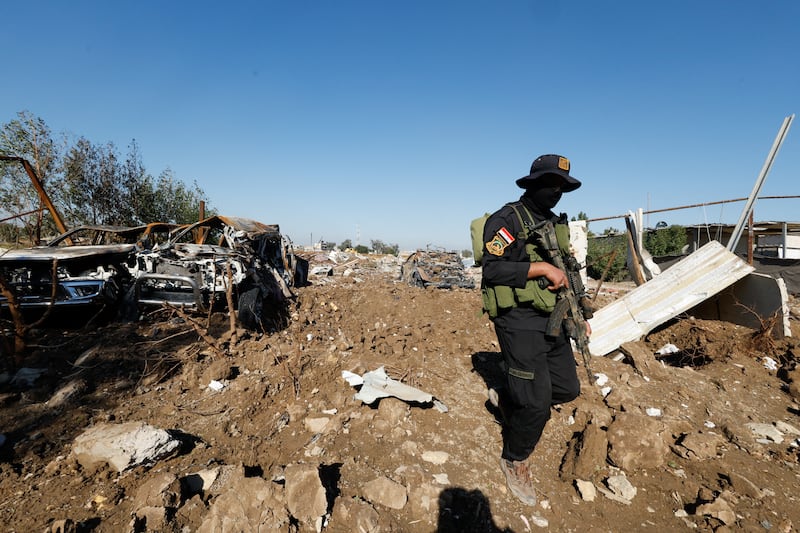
549 164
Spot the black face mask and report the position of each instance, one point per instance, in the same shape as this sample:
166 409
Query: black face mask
545 198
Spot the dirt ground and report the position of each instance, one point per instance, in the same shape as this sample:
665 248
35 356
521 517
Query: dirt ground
676 429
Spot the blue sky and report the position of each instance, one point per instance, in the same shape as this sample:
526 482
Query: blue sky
401 121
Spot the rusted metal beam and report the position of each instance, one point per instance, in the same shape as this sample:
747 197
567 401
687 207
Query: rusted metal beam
37 184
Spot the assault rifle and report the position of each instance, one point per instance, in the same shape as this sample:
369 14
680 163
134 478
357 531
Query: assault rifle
573 306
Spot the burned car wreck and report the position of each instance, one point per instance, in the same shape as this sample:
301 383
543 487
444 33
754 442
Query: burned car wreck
90 266
121 270
204 263
88 278
435 268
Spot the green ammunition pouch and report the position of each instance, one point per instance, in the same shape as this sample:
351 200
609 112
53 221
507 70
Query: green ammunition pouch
501 297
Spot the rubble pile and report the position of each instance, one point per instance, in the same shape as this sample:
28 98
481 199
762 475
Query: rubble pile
437 269
144 427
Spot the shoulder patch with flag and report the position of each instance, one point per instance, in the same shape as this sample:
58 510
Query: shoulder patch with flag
499 242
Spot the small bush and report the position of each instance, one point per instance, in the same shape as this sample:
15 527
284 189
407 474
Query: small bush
600 252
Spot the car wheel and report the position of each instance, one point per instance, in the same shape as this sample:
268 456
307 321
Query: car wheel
251 307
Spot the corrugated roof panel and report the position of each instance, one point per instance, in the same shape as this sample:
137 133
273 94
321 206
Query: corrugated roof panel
687 283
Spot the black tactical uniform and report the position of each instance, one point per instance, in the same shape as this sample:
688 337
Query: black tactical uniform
541 370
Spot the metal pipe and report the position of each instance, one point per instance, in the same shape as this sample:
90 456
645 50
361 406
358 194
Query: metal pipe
776 145
784 244
696 205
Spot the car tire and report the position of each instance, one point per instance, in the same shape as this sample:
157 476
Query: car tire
251 307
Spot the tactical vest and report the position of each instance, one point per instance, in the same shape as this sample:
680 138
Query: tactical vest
500 297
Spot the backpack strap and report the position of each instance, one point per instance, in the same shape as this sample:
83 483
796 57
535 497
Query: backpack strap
526 220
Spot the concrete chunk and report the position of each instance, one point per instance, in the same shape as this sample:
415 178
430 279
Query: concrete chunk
305 495
386 492
124 445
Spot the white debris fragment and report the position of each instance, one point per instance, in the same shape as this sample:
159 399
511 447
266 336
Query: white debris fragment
316 425
621 487
540 521
611 495
377 384
601 379
437 458
586 489
786 428
354 380
668 349
653 411
766 432
441 479
123 445
545 504
770 363
216 385
605 391
709 424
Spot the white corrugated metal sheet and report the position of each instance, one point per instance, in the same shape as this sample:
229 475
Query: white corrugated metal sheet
687 283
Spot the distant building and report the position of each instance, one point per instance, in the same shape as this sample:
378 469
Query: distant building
769 239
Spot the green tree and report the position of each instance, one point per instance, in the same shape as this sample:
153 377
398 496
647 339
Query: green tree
95 189
10 234
101 190
89 183
380 247
665 241
377 246
362 249
134 179
347 243
174 201
607 254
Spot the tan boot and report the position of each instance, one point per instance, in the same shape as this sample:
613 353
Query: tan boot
519 480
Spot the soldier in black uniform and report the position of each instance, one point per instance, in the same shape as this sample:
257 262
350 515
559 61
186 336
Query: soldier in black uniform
518 289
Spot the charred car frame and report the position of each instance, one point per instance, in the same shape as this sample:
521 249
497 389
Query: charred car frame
435 268
192 266
90 265
203 262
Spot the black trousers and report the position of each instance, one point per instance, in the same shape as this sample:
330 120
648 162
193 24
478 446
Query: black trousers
541 372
